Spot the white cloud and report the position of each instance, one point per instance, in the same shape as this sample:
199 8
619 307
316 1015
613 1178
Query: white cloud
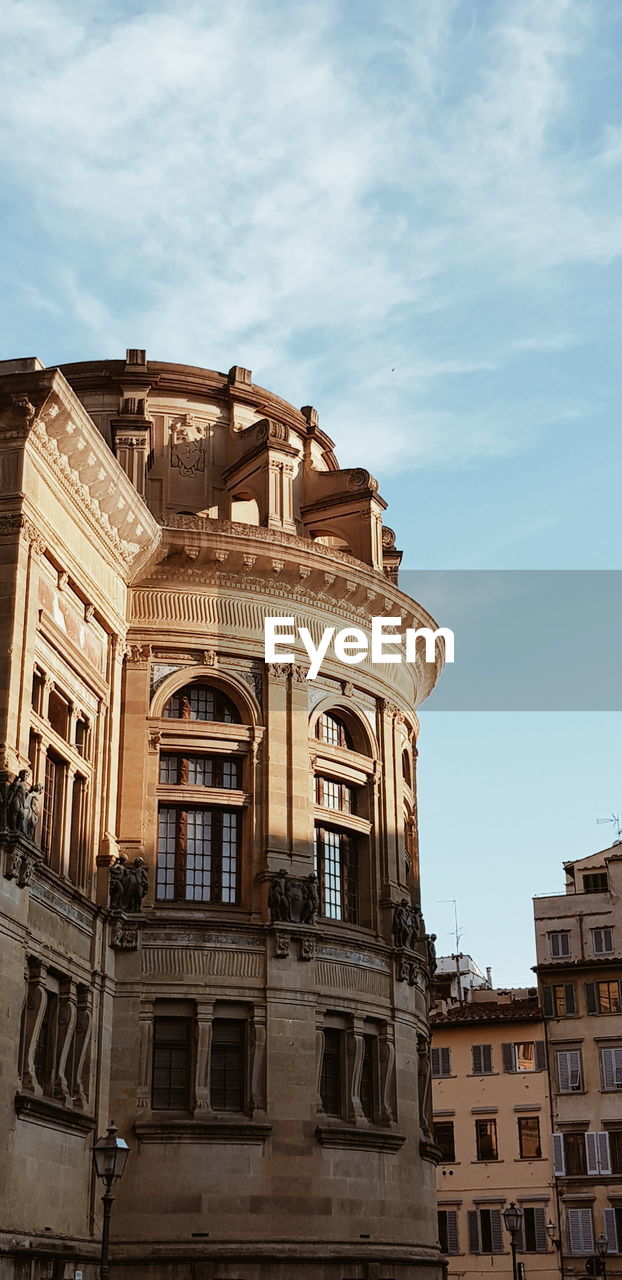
222 185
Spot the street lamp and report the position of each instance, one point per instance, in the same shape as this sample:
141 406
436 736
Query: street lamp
513 1219
551 1231
602 1245
109 1160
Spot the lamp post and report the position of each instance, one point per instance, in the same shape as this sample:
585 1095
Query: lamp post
513 1219
109 1159
602 1245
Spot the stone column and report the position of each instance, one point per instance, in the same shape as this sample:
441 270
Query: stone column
145 1054
80 1083
356 1054
204 1027
36 1005
67 1009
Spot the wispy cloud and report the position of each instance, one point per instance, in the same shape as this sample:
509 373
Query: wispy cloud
340 204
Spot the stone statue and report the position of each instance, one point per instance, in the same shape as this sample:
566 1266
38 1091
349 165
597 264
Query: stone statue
116 883
416 925
16 801
137 884
402 925
311 899
430 941
128 884
424 1085
32 810
277 898
5 783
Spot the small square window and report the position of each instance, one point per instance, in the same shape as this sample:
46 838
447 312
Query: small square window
602 941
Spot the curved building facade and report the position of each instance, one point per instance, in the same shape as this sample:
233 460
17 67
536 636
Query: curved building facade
210 894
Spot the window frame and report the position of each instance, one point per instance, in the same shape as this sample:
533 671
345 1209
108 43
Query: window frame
213 855
448 1145
522 1123
482 1123
183 1046
346 873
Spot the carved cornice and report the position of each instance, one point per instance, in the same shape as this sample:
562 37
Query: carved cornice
16 522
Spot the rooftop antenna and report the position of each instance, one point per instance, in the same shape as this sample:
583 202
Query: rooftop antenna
615 819
457 932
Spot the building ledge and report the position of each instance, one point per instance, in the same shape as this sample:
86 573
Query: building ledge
345 1136
53 1114
217 1130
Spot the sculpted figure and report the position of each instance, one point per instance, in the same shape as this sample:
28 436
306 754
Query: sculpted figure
136 885
424 1083
277 898
16 801
312 899
5 783
32 810
402 927
430 941
416 925
116 885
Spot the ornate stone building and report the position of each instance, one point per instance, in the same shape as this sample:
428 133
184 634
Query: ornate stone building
209 867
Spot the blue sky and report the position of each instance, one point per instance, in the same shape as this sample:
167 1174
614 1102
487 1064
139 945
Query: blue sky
408 214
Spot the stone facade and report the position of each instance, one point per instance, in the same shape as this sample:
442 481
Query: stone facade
579 949
252 1015
492 1126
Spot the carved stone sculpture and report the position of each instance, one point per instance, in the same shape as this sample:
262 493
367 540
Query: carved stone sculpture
402 924
16 801
127 885
424 1083
5 783
293 898
430 941
32 810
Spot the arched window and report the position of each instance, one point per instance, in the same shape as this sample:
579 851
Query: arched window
201 801
341 820
332 731
201 702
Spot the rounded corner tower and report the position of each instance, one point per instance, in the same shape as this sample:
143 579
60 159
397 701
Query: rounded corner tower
244 971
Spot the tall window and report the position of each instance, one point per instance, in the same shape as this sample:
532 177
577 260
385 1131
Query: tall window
611 1068
529 1138
369 1078
172 1064
448 1231
603 997
486 1139
198 853
580 1231
482 1059
444 1140
524 1055
201 702
485 1231
533 1235
52 822
568 1064
335 867
441 1062
559 1000
331 730
228 1064
332 1076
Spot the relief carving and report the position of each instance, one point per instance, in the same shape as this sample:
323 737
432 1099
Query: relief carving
127 885
293 898
188 446
407 924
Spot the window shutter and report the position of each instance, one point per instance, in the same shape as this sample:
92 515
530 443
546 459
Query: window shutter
617 1062
591 1152
607 1057
507 1051
604 1159
591 1002
540 1055
548 1007
487 1057
478 1066
580 1231
574 1068
473 1221
445 1062
495 1231
559 1163
563 1071
539 1222
570 998
436 1062
452 1231
611 1229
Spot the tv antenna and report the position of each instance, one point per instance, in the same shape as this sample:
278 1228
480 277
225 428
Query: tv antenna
457 932
615 819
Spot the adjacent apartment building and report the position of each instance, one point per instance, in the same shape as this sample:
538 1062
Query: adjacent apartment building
579 950
492 1126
